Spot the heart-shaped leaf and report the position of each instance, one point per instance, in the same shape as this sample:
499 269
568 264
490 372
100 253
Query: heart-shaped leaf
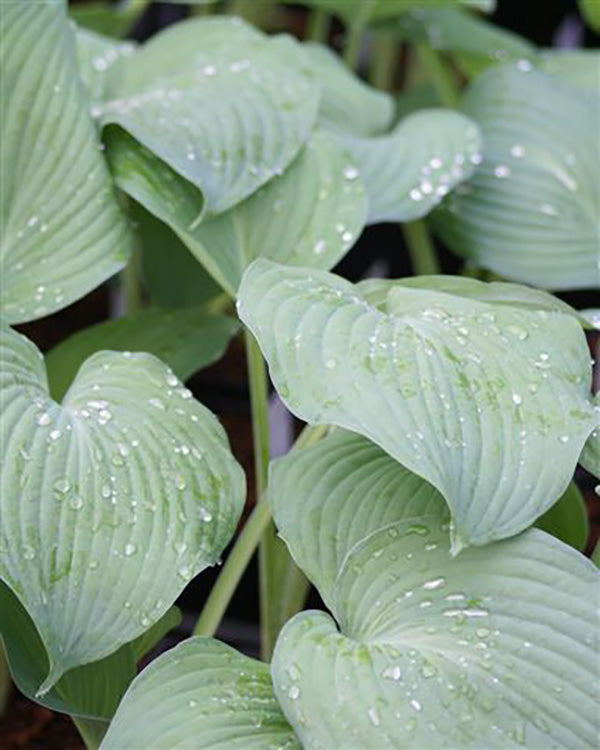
487 402
62 232
530 211
111 502
308 216
408 171
428 651
186 339
201 694
347 104
223 105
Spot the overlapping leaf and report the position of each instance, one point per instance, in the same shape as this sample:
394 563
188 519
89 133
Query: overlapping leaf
62 232
487 402
101 62
309 216
347 104
186 339
567 519
111 502
408 171
590 457
530 211
201 694
220 103
428 651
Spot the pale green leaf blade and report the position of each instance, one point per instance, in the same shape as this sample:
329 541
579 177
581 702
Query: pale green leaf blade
497 643
498 292
62 231
530 212
439 382
310 215
327 498
347 104
410 170
101 62
578 67
186 339
223 105
92 691
111 501
590 456
201 694
475 42
567 519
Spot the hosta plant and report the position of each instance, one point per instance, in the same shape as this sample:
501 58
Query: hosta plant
223 172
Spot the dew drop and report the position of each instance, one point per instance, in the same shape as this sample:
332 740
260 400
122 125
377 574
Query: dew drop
130 549
351 172
43 420
502 171
392 673
294 692
374 717
435 583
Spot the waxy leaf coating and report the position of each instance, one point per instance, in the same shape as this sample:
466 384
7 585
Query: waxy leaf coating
496 646
111 501
487 402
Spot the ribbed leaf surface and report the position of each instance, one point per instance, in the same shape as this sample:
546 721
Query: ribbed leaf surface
62 232
487 402
111 501
201 694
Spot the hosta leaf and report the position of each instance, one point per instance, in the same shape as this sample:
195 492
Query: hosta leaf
410 170
498 292
577 67
223 105
186 339
385 9
201 694
487 402
308 216
110 501
347 104
499 642
567 519
62 230
590 457
91 691
115 19
101 62
477 43
590 10
327 498
530 211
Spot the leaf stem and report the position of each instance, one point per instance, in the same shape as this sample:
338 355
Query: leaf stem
242 551
130 277
235 565
383 64
420 248
355 33
440 76
317 28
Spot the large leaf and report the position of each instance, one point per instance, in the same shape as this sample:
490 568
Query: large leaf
477 43
222 104
410 170
186 339
498 643
487 402
347 104
530 211
308 216
578 67
101 62
111 501
62 232
201 694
